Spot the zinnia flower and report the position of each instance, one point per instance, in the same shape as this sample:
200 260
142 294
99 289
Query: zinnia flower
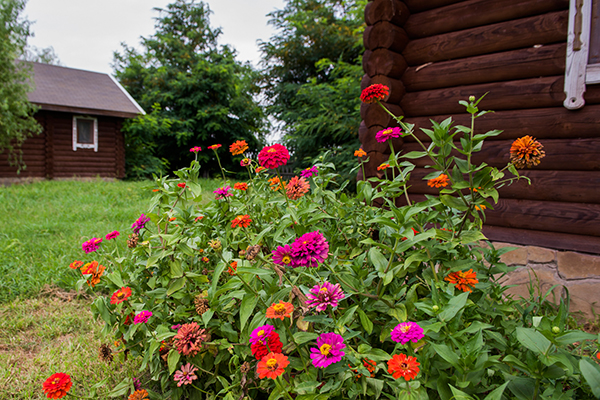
232 268
360 153
283 255
185 375
112 235
142 317
275 183
440 181
273 156
261 334
75 264
196 149
383 166
91 245
95 270
140 223
189 338
404 366
240 186
374 92
321 296
388 133
245 162
526 152
140 394
272 365
260 169
309 250
296 188
238 147
308 172
223 192
464 281
214 147
120 295
280 310
272 345
328 350
407 331
57 386
241 220
181 185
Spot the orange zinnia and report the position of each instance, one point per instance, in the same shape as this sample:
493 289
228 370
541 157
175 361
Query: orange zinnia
238 147
232 268
440 181
259 169
280 310
120 295
383 166
240 186
526 152
75 264
464 281
95 270
275 183
140 394
241 220
404 366
360 153
272 365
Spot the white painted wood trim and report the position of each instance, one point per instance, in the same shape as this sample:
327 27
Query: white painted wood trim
77 145
576 65
592 74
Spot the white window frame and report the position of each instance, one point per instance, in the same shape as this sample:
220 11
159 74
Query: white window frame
578 72
76 144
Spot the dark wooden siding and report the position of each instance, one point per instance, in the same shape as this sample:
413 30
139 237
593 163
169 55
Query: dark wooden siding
34 155
433 54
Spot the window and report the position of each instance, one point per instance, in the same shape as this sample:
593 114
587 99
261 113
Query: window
583 51
85 133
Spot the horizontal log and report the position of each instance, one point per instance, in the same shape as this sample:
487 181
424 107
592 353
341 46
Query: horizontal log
396 87
541 123
384 62
525 93
505 66
551 240
372 114
473 13
369 143
385 35
416 6
555 186
393 11
561 154
375 160
592 94
510 35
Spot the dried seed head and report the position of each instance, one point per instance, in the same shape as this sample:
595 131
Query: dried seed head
132 240
245 367
252 252
201 304
105 353
215 244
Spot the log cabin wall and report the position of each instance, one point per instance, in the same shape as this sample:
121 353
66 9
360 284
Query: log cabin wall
431 54
50 154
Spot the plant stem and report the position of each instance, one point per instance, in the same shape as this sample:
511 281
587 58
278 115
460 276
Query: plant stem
289 332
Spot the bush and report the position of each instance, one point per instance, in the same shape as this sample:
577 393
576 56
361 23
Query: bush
271 292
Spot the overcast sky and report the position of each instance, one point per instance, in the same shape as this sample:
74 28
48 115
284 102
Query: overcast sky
85 33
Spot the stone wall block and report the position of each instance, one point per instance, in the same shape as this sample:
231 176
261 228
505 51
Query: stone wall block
585 297
573 265
543 278
540 255
514 257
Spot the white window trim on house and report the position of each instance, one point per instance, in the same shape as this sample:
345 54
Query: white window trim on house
76 144
578 72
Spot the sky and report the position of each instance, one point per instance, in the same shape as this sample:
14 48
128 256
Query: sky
85 33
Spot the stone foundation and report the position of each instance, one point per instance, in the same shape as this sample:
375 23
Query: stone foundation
578 273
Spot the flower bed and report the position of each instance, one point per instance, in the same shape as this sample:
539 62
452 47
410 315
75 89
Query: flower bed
297 290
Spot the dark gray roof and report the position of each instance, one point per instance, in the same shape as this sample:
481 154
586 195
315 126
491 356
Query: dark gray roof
75 90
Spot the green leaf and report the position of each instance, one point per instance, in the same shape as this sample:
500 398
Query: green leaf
533 340
572 337
496 394
254 271
365 321
453 307
115 277
303 337
459 394
522 388
246 308
176 285
447 354
591 374
172 360
377 386
378 260
453 202
347 316
398 312
414 154
467 237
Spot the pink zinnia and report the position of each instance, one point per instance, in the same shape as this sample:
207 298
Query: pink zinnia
140 223
273 156
185 375
407 331
388 133
261 334
223 192
321 296
91 245
112 235
328 350
308 172
309 250
189 338
196 149
283 256
245 162
142 317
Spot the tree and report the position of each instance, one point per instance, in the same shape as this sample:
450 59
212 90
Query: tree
16 113
45 55
194 91
312 72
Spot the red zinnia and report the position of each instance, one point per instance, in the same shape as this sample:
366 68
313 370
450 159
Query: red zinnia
120 295
273 156
181 185
274 345
240 186
241 221
57 386
404 366
272 365
75 264
214 146
374 92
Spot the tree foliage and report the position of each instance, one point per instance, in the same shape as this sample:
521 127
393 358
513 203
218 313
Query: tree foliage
195 93
16 113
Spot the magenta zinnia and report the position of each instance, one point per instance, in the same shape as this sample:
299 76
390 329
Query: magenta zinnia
407 331
388 133
223 192
273 156
189 338
195 149
308 172
328 350
140 223
261 334
321 296
112 235
142 317
185 375
309 250
296 188
283 255
91 245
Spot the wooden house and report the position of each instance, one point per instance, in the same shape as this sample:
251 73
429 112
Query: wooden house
81 113
433 53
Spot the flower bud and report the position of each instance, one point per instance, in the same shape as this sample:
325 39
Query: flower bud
471 98
435 308
215 244
555 329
